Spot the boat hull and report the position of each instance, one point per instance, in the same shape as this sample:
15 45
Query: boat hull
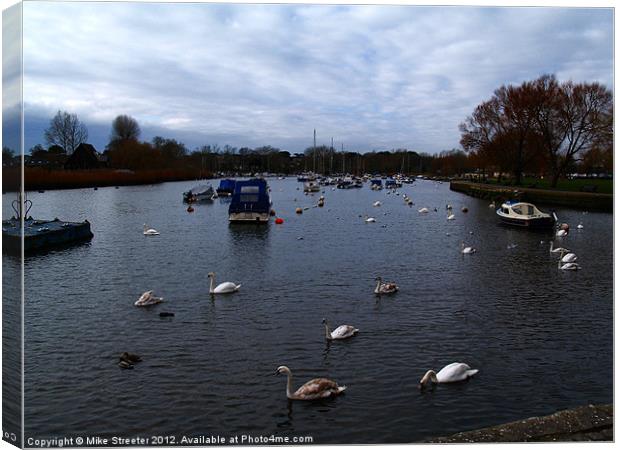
537 223
248 217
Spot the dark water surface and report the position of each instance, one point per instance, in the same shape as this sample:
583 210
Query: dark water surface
541 338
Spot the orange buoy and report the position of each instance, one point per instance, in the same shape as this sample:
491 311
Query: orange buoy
298 210
190 209
279 220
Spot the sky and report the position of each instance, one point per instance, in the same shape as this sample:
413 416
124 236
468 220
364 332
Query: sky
370 77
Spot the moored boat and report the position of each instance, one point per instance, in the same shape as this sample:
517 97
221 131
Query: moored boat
311 186
200 193
524 214
250 202
226 187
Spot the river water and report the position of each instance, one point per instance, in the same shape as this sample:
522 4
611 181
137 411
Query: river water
542 338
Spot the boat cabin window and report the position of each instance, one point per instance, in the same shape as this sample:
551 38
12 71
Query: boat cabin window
530 210
517 209
248 198
249 189
505 211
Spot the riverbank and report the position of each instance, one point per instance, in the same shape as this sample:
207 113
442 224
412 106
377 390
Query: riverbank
36 178
585 423
498 193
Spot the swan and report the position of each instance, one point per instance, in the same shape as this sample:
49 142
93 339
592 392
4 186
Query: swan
342 332
223 288
370 219
385 288
450 217
568 258
312 390
149 231
377 203
580 227
148 299
568 266
467 250
561 233
423 210
557 249
449 374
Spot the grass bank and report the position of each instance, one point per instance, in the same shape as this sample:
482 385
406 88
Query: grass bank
36 178
601 185
573 199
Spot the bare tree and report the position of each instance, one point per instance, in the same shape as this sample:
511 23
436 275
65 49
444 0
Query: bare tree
125 128
67 131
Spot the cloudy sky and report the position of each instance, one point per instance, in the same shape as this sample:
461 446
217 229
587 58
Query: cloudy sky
371 77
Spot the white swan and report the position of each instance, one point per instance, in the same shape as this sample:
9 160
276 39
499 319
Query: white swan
423 210
342 332
450 217
449 374
370 219
312 390
223 288
568 258
568 266
467 250
149 231
557 249
580 227
385 288
377 203
148 299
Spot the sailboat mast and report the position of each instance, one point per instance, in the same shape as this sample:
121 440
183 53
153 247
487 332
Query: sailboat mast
314 153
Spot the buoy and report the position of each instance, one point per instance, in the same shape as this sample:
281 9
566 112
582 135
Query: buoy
299 210
190 209
279 220
464 209
564 226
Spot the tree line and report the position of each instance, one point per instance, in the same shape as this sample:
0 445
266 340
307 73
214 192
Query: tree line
542 127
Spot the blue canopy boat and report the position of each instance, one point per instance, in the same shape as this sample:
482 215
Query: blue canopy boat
250 202
376 184
226 187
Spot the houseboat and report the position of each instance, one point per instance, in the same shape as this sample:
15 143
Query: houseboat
250 202
226 187
526 215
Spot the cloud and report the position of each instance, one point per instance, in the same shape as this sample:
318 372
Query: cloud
371 77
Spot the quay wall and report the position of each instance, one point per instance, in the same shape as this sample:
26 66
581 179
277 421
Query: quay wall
585 423
581 200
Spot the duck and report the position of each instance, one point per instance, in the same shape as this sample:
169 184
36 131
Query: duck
130 357
450 217
223 288
451 373
342 332
423 210
464 209
377 203
467 250
314 389
385 288
148 299
568 258
448 206
557 249
492 205
580 226
370 219
149 231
